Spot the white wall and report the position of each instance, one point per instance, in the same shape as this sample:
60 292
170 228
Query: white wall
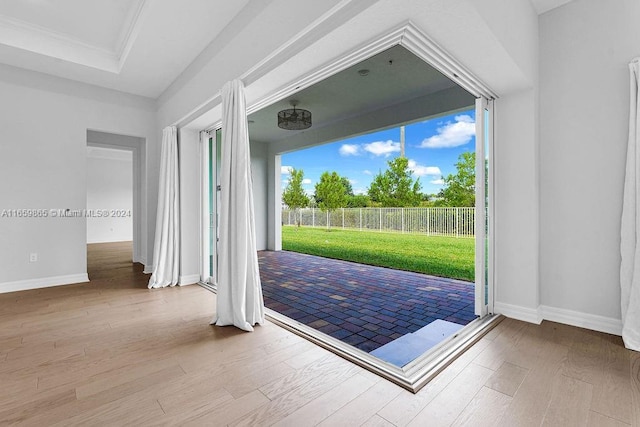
110 189
585 47
516 215
43 165
190 201
260 191
189 158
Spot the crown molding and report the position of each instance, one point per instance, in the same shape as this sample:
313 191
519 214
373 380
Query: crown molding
34 38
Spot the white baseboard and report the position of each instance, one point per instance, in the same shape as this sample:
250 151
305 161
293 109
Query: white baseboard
190 279
582 320
45 282
568 317
517 312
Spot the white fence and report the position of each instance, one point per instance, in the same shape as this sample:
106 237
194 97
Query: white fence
457 222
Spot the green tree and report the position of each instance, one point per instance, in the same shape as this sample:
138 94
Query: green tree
396 187
460 188
348 189
330 193
358 201
294 195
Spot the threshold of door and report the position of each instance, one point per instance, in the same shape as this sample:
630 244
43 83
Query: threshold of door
412 376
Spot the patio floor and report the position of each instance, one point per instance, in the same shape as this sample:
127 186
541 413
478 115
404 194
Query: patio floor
362 305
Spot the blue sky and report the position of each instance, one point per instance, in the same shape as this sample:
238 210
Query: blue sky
432 147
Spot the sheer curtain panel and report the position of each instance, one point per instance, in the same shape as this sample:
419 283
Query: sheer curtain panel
630 227
166 249
239 299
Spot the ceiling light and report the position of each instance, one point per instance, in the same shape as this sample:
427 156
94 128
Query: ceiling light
293 119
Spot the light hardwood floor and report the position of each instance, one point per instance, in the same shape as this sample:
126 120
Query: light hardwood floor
111 352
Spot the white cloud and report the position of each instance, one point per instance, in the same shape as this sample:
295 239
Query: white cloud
285 170
349 150
306 181
360 191
419 170
452 134
382 148
439 181
367 172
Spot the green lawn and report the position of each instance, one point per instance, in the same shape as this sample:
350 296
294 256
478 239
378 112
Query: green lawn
438 256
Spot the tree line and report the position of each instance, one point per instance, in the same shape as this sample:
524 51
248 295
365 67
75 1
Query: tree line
393 187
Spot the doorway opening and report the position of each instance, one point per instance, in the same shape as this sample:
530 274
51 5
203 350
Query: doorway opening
396 86
406 231
108 219
109 195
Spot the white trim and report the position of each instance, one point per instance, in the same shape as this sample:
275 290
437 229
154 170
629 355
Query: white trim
203 144
44 282
406 35
582 320
35 38
328 22
379 44
531 315
492 207
433 54
191 279
480 258
579 319
130 33
414 375
137 146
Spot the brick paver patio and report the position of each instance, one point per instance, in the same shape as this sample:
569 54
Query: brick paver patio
362 305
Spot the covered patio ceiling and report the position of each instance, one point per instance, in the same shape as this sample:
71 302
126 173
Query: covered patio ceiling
391 88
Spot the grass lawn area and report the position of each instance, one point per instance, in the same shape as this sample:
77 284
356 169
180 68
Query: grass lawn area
438 256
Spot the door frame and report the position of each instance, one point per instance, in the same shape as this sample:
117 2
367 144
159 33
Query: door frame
419 372
484 256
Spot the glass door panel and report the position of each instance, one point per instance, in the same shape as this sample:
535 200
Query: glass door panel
483 269
210 196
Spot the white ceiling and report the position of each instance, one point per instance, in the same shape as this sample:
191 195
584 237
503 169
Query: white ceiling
134 46
542 6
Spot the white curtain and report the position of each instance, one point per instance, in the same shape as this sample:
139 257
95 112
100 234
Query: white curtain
239 295
166 249
630 227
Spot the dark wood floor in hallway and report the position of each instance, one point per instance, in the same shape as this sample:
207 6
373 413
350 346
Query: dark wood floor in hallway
112 352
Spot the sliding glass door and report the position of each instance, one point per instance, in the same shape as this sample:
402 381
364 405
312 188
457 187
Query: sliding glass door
210 196
484 210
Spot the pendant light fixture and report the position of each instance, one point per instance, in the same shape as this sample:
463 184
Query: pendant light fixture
294 119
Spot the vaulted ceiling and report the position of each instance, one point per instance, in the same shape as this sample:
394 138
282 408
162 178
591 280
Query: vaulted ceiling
134 46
